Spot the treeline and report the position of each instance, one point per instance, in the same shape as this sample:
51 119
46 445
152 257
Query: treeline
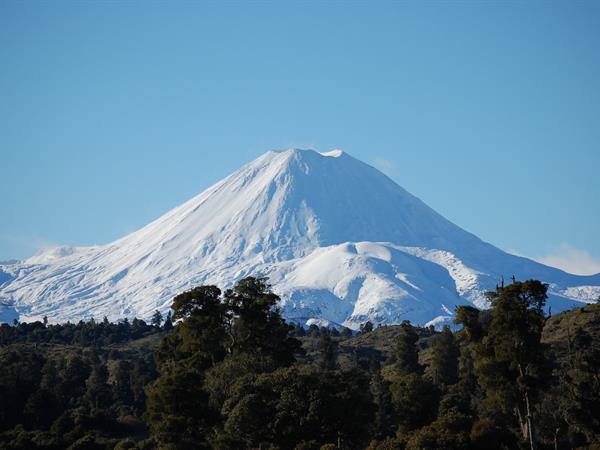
65 398
90 333
231 374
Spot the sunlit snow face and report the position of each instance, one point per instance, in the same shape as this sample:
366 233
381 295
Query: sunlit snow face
339 241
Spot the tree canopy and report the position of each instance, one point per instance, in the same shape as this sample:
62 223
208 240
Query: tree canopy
224 370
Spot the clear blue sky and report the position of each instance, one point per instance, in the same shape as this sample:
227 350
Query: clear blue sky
111 113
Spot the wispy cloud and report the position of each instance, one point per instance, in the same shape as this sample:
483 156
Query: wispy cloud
568 258
24 246
384 165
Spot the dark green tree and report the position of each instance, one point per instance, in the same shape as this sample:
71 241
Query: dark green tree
245 322
448 432
178 411
327 350
299 331
313 330
383 423
168 324
444 360
510 364
75 373
366 327
157 319
415 400
468 317
256 326
406 354
98 393
44 405
579 399
199 338
290 406
121 385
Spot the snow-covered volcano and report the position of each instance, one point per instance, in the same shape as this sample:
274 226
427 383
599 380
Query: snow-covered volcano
339 240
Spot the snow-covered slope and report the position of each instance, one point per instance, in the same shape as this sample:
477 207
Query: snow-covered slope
339 240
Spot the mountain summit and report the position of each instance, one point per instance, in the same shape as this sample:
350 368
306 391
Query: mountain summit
340 241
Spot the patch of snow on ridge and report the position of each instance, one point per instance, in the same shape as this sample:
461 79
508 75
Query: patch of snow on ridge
464 277
439 321
322 323
585 294
467 280
404 278
333 153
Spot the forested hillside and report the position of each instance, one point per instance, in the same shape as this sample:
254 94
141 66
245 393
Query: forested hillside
227 372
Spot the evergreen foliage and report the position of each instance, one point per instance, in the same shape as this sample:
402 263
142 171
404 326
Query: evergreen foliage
366 327
232 374
327 350
510 363
157 319
407 355
444 360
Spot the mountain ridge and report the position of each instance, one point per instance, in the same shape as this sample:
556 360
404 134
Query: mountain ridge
288 215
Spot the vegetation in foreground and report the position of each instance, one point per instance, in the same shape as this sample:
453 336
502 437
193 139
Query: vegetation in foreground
231 374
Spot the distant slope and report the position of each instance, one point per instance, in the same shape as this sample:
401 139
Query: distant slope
339 240
562 327
380 343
